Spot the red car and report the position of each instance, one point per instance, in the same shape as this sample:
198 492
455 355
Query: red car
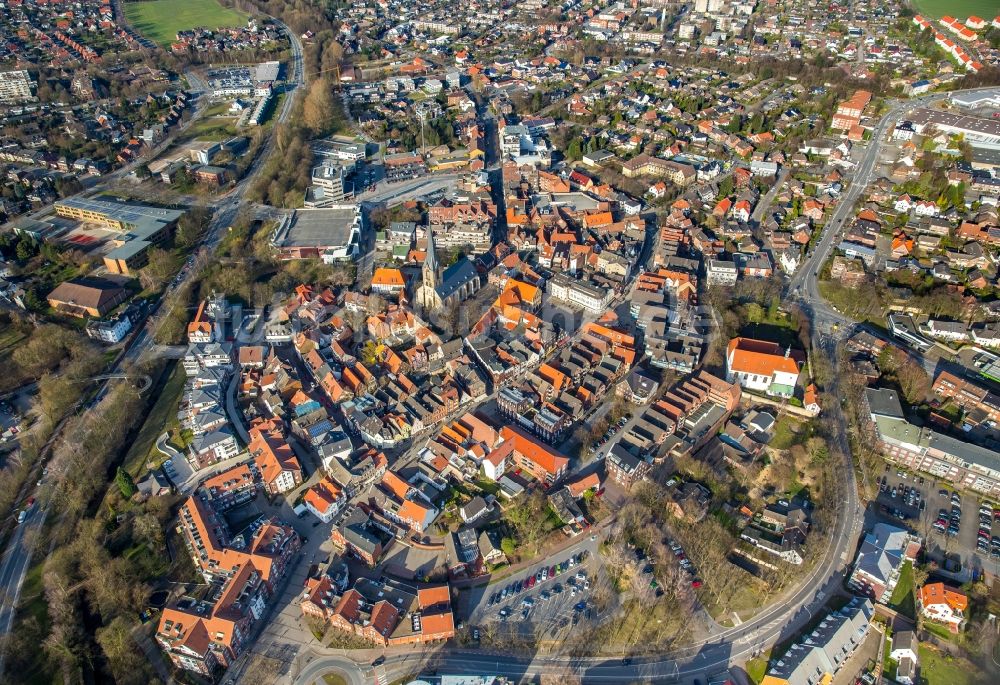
531 581
696 584
31 501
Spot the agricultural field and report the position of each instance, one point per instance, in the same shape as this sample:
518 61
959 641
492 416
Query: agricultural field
160 20
986 9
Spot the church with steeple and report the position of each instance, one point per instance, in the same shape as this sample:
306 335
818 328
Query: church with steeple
438 288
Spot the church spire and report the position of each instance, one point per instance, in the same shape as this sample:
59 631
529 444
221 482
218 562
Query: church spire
430 261
430 267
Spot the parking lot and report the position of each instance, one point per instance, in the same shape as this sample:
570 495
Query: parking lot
949 522
550 597
545 598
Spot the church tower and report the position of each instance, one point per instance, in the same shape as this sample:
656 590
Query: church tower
430 262
427 296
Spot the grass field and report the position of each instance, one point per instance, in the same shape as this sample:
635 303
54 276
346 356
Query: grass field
162 417
160 20
940 669
902 599
960 9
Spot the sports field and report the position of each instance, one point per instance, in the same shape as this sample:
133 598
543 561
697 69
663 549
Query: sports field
160 20
960 9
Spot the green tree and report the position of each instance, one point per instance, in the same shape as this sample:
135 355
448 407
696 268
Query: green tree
125 483
26 249
573 150
726 187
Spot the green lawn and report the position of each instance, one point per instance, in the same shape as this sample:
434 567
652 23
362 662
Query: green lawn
160 20
941 669
212 128
162 417
902 599
756 669
960 9
786 431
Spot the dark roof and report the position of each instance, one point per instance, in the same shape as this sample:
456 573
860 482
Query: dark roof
455 276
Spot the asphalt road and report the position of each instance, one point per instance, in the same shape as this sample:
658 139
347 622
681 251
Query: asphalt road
15 565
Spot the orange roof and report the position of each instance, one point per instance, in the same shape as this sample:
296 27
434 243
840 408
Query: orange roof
200 323
388 277
235 477
396 485
902 241
599 219
429 596
579 486
533 450
525 291
759 357
322 495
938 593
412 511
272 453
435 610
615 336
437 624
869 215
810 396
554 376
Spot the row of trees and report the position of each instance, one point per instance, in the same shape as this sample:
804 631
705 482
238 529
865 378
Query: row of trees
99 572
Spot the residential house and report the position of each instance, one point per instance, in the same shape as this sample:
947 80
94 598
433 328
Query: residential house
940 603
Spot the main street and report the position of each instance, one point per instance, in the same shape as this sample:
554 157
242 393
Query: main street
16 559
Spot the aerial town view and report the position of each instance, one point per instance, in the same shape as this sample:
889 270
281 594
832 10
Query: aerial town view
499 342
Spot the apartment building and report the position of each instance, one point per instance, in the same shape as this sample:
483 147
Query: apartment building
274 458
822 653
919 448
624 467
522 451
16 86
646 165
329 186
980 403
207 631
383 611
582 294
848 114
684 419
